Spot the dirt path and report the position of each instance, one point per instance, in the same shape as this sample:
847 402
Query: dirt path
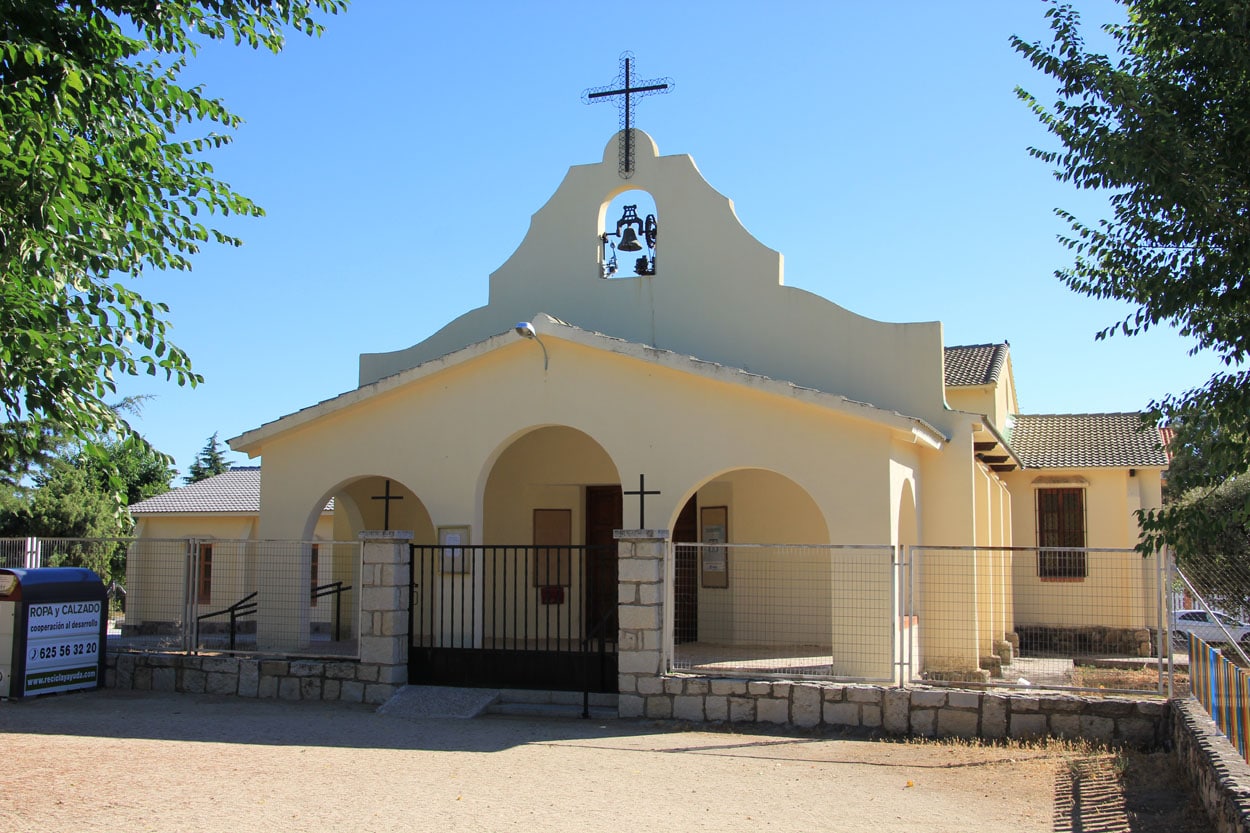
148 762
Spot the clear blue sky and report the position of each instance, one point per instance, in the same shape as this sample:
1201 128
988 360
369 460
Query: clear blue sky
879 147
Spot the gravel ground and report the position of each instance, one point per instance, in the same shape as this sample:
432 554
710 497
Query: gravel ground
142 761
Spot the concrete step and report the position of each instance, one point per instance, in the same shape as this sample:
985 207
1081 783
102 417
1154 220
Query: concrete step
525 703
417 702
549 710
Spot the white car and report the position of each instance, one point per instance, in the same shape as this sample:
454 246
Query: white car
1204 626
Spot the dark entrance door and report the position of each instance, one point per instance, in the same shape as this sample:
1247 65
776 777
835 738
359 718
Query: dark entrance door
686 575
603 516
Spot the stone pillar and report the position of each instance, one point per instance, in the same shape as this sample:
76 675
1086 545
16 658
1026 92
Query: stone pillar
384 581
644 589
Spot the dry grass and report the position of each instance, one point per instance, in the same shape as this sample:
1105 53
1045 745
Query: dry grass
1114 680
1103 788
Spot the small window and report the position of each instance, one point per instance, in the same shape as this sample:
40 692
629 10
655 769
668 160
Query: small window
204 582
1061 524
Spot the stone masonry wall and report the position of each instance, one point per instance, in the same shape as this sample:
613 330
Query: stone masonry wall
646 691
927 712
352 682
381 671
640 615
1217 773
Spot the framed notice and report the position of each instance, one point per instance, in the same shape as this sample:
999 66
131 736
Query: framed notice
714 534
453 540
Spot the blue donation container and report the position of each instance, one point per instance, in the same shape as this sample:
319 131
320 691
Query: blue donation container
53 625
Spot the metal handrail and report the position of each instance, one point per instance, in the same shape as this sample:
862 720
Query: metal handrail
335 589
243 607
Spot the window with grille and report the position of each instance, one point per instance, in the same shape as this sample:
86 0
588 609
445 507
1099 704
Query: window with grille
1060 523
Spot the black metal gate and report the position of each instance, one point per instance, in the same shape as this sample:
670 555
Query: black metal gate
513 617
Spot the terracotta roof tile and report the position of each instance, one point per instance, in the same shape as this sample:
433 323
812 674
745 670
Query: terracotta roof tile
1045 441
974 364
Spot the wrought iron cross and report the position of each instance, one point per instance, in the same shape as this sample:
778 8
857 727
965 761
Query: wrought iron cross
386 497
642 497
627 89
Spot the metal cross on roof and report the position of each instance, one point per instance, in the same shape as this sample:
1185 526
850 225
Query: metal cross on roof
642 497
386 497
627 88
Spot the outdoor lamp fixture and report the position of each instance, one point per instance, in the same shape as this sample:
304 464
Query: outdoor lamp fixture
526 330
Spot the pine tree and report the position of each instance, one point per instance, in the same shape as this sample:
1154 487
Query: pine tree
209 462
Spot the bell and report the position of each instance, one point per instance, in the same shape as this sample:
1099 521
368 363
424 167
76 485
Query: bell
629 241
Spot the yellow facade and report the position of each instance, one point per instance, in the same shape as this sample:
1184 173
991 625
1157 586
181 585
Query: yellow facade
810 424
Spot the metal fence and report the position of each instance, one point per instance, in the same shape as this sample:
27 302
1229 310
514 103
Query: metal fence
1223 689
1082 619
1210 597
296 598
1057 618
795 611
520 616
1024 617
21 553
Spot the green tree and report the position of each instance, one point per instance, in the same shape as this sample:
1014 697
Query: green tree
1217 561
103 179
130 468
209 462
1163 126
83 495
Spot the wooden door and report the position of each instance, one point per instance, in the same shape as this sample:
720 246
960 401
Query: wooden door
603 517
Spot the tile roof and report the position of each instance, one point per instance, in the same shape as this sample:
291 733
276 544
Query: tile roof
975 364
236 490
1052 441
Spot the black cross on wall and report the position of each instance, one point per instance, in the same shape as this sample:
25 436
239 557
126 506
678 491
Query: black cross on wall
386 497
627 88
642 498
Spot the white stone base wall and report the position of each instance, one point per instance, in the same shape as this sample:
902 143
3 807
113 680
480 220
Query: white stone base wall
926 712
1217 773
352 682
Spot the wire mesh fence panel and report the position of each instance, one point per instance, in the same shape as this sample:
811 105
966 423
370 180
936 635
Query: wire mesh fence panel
784 610
156 614
290 597
295 598
1210 598
1048 618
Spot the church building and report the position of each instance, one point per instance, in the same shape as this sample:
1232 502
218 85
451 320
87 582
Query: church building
641 364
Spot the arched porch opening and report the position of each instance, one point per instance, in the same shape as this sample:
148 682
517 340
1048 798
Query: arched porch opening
330 548
739 506
369 502
761 589
534 605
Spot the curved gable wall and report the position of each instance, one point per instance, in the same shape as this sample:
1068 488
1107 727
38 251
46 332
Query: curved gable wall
717 294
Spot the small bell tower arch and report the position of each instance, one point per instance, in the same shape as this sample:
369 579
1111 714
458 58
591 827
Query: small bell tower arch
629 229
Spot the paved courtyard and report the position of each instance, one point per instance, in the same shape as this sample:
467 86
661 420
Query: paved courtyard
131 761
